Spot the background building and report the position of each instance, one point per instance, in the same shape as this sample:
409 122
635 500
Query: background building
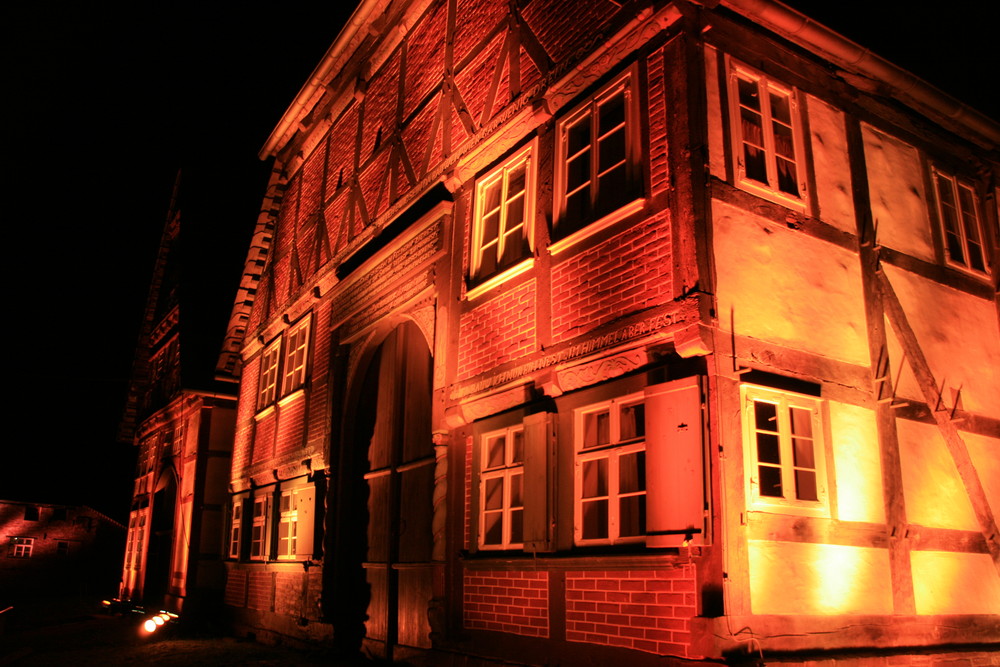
586 332
56 551
181 422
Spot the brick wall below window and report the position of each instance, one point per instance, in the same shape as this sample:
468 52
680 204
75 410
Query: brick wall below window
647 610
515 602
236 588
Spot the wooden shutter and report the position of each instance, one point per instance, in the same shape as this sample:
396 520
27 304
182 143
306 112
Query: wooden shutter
675 475
539 484
305 505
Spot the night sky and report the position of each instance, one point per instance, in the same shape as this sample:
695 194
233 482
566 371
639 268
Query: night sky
105 104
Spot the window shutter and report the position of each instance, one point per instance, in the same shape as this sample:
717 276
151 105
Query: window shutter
305 517
539 486
675 477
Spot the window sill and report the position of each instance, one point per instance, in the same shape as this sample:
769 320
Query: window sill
817 510
265 412
500 278
775 196
598 225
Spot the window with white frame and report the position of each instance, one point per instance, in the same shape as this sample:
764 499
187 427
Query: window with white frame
258 529
961 223
267 387
288 519
502 230
597 165
20 547
784 453
235 524
294 363
501 489
610 472
767 136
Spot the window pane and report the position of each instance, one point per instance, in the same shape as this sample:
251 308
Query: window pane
578 136
595 478
516 180
612 190
578 171
595 520
780 108
970 220
491 226
611 113
577 207
787 177
515 214
611 151
495 451
632 472
632 421
801 422
748 94
632 516
596 429
949 218
768 450
517 447
493 528
493 499
766 416
516 488
805 485
517 526
770 481
804 455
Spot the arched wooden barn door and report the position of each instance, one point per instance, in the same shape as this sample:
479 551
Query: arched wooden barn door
399 476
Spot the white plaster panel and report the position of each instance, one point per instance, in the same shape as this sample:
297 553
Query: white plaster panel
933 491
896 186
716 138
857 464
822 579
787 287
833 173
954 583
985 454
958 335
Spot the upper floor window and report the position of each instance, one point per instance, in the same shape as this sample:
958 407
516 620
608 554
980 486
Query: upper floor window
767 136
504 210
501 488
961 223
235 524
287 525
783 435
296 344
20 547
268 384
283 365
30 513
610 478
258 529
597 169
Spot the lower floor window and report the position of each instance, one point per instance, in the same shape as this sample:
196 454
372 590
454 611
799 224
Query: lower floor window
611 471
784 453
258 529
20 547
287 525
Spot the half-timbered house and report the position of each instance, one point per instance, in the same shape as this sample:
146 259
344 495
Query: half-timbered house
585 332
180 420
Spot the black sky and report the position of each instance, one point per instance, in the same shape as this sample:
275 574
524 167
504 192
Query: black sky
106 102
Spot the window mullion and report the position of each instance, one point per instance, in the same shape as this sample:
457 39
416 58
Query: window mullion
767 120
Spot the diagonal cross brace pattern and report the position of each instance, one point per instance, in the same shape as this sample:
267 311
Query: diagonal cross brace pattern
956 446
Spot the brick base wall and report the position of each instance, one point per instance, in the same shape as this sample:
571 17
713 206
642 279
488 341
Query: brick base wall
515 602
647 610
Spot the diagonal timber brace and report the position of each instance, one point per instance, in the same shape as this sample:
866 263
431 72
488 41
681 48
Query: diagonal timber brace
956 446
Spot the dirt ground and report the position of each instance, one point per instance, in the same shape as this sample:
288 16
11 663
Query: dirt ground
84 637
